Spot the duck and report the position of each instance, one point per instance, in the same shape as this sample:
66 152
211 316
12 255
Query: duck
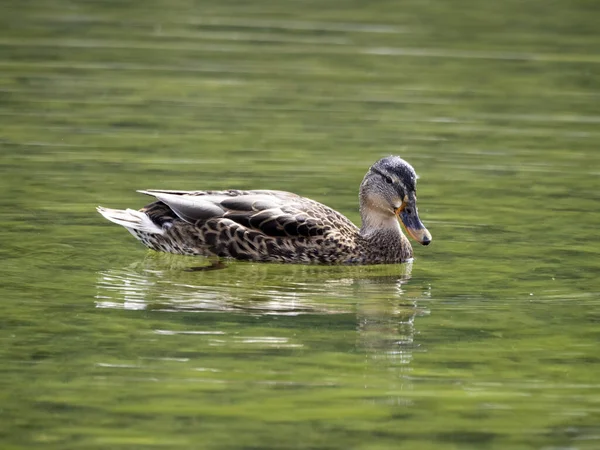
283 227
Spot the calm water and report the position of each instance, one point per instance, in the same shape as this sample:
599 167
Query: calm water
489 340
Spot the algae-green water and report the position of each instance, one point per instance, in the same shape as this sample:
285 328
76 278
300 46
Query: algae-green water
490 339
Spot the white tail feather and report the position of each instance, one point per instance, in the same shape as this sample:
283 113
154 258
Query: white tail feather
131 219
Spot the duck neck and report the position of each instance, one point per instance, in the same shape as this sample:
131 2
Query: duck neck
380 228
383 234
375 214
375 223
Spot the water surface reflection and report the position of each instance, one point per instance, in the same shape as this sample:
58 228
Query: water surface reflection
163 282
377 303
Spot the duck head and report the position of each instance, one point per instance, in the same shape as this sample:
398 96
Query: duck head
388 196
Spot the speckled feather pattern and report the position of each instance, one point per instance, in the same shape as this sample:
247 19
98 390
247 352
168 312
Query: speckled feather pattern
300 231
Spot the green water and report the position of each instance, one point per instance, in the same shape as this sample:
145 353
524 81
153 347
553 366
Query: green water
489 340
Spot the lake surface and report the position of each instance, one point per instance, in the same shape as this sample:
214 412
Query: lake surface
490 339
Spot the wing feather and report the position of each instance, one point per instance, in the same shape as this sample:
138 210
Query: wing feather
276 214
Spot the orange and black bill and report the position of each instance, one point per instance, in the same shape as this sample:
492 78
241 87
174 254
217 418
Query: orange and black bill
409 217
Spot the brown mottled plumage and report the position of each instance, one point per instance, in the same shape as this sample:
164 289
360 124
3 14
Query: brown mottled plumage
264 225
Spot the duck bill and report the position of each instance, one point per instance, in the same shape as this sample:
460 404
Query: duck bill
413 225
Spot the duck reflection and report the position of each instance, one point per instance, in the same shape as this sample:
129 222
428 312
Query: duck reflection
377 301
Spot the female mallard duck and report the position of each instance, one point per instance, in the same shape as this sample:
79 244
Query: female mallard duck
284 227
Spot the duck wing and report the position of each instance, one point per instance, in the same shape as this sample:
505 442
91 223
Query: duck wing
271 213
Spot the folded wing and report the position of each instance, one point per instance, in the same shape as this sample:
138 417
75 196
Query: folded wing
272 213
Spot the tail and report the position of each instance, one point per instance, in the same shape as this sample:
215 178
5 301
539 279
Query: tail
131 219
